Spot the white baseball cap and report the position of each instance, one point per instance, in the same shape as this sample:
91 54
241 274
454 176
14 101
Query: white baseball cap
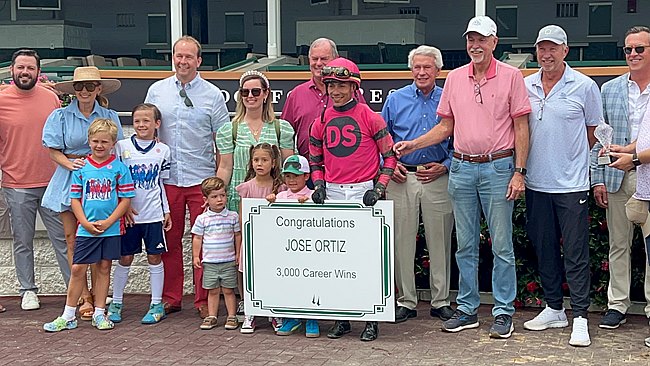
483 25
552 33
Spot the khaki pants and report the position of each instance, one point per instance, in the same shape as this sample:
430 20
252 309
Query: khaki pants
437 214
620 241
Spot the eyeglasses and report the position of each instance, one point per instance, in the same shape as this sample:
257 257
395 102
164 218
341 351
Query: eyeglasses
246 92
80 86
478 98
540 112
339 72
186 99
638 49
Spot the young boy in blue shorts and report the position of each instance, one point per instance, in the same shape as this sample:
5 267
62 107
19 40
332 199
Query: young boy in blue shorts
101 193
216 234
148 161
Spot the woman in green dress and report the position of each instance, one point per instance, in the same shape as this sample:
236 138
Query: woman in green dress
254 122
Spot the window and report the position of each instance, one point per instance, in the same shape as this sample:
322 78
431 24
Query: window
234 27
600 19
409 10
158 28
566 10
507 21
125 20
259 18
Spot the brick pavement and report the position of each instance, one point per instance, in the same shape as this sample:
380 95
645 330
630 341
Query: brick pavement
178 340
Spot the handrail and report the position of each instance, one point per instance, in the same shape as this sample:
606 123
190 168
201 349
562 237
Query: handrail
237 64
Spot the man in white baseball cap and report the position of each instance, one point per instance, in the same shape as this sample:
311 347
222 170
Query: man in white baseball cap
556 198
489 162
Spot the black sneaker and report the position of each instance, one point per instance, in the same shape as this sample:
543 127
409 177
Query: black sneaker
444 313
459 321
339 328
612 319
402 314
371 332
502 327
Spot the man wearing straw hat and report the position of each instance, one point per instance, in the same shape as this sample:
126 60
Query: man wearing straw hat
192 110
27 169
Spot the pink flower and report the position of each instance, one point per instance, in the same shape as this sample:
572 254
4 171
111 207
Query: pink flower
604 266
425 263
538 302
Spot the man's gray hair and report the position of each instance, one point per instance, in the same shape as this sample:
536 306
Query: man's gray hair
320 41
425 50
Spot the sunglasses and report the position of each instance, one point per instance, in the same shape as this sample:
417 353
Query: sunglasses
638 49
478 98
246 92
339 72
186 99
80 86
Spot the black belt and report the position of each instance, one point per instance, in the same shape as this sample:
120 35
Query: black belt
415 168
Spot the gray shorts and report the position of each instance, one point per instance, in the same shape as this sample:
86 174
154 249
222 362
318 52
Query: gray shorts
217 275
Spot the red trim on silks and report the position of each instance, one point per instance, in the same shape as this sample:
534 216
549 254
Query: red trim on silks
100 165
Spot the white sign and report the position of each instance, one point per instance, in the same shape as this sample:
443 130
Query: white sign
331 261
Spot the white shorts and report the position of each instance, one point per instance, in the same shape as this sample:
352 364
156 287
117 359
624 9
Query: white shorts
348 191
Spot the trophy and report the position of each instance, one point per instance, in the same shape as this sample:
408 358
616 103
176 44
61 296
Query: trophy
604 134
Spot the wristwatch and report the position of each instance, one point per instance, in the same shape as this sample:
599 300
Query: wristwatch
635 160
521 171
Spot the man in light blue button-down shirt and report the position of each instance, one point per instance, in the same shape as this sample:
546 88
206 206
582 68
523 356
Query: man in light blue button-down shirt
192 109
420 186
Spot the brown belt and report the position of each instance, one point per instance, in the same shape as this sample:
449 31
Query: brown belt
74 156
484 158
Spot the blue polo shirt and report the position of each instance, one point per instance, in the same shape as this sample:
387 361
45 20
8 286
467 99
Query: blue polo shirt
410 114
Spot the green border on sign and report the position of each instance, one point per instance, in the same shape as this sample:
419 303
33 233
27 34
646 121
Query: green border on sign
386 257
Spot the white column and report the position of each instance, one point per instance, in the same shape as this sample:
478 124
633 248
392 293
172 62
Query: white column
176 19
355 7
273 45
13 10
480 7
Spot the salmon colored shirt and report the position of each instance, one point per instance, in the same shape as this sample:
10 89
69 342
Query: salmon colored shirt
25 163
483 128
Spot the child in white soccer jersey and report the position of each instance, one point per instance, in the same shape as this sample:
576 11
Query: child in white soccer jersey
148 161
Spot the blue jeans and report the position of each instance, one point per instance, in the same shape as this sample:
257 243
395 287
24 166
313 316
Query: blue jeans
473 186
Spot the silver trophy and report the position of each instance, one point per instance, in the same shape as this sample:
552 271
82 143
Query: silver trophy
604 134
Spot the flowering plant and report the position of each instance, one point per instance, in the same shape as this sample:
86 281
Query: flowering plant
529 287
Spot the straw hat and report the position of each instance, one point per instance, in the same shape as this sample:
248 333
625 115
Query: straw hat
88 73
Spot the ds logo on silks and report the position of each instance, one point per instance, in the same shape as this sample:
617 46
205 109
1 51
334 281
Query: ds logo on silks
342 136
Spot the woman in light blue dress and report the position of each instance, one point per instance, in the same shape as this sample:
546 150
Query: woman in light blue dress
65 134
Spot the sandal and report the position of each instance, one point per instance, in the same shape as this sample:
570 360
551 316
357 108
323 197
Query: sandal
86 308
2 309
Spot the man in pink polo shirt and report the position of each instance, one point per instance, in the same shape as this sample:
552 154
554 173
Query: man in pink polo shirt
306 101
485 105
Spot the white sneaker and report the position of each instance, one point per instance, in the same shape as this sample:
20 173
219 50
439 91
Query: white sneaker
248 326
30 301
548 318
647 342
580 333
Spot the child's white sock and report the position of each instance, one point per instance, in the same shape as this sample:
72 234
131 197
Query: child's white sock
69 313
99 311
120 277
157 272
